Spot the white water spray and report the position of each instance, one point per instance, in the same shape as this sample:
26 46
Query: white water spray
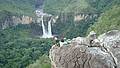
43 28
46 34
49 28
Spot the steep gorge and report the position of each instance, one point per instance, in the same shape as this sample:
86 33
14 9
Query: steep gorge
20 40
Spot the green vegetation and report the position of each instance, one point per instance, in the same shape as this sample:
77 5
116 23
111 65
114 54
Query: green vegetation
18 48
65 6
42 62
99 5
110 20
4 14
77 6
21 7
69 28
67 9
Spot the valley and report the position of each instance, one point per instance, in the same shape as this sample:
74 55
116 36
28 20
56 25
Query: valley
28 27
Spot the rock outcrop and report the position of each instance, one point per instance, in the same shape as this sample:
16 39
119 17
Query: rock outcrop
82 16
9 21
111 40
22 20
102 54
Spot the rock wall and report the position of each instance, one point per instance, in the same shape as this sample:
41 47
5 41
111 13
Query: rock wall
15 20
80 17
22 20
76 55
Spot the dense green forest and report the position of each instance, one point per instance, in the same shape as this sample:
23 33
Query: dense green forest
65 6
21 7
77 6
69 28
19 48
110 20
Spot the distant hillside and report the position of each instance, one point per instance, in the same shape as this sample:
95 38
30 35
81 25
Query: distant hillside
76 6
57 6
24 7
109 20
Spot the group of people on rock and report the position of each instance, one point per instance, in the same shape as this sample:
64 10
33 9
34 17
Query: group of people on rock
91 40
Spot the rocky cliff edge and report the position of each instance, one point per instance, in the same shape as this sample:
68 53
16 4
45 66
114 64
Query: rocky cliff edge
80 52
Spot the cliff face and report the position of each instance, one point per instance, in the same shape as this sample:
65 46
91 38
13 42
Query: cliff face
22 20
99 54
9 21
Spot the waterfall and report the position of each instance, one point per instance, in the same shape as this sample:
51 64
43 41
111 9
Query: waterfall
49 28
46 34
43 28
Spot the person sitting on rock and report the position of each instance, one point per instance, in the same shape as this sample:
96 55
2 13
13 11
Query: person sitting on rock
95 43
59 42
64 42
92 36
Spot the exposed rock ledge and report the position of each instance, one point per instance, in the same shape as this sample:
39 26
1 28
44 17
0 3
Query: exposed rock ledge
102 54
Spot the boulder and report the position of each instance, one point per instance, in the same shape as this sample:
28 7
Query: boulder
76 55
111 40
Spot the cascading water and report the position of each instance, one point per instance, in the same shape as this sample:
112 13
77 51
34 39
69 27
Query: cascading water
46 34
49 28
43 28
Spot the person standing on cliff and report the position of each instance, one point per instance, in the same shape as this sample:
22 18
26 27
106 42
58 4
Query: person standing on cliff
62 40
